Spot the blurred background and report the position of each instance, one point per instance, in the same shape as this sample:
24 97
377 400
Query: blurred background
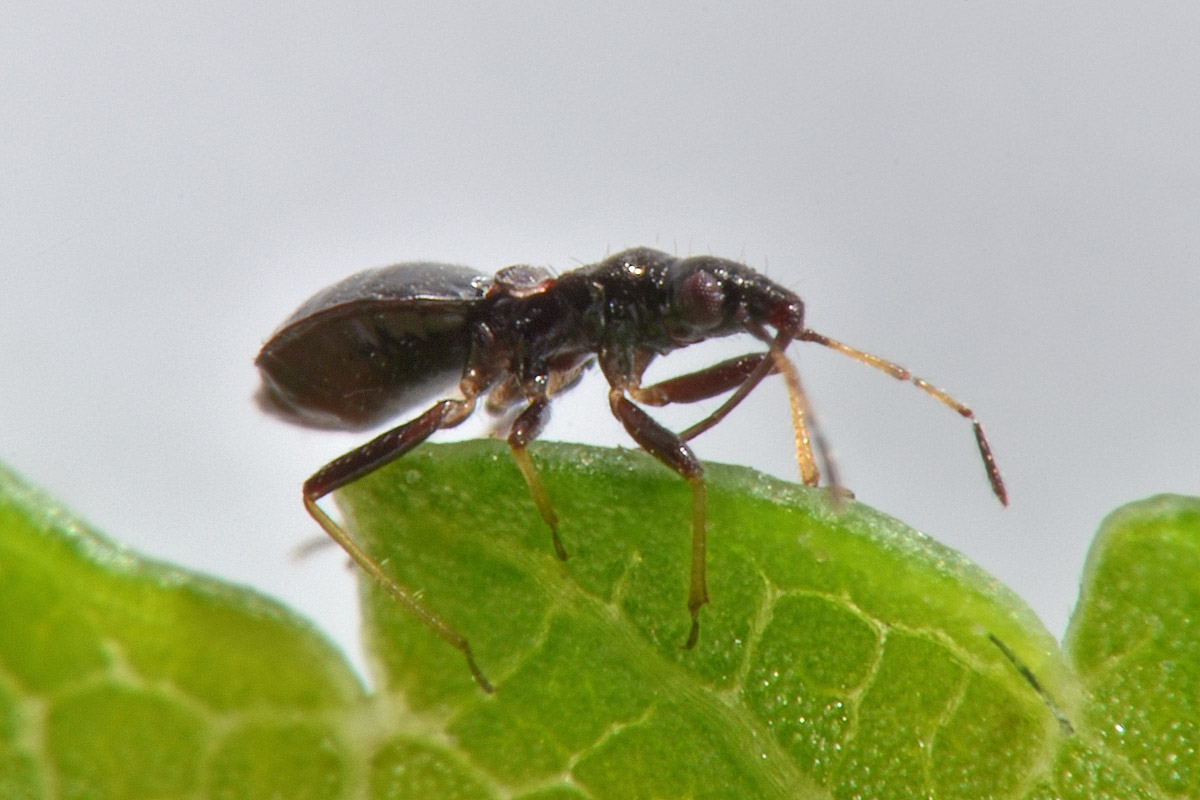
1003 197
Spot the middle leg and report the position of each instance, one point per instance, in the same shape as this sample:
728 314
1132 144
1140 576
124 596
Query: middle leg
525 428
671 450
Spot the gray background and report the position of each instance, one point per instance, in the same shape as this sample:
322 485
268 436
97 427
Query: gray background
1003 197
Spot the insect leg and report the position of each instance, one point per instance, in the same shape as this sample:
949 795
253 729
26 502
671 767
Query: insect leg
365 459
900 373
525 428
804 424
674 452
702 384
745 373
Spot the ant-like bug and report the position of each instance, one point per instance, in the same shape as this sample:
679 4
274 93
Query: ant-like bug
364 350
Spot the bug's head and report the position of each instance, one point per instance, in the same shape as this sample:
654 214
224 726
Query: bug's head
712 297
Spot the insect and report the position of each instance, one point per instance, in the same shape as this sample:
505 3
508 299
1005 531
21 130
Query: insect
382 341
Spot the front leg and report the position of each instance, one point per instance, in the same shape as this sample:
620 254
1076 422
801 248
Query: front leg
702 384
741 374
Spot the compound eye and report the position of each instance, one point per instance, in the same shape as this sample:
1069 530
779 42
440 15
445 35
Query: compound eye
702 300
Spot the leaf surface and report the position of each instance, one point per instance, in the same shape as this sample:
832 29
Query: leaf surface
843 655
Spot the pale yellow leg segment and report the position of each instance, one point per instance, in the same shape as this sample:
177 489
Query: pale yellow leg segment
809 474
398 592
541 498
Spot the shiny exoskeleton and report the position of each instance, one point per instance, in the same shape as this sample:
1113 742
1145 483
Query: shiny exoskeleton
374 345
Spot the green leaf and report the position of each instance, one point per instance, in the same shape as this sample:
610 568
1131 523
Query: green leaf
121 678
1135 641
843 655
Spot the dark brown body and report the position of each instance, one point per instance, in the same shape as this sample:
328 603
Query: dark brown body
382 341
366 349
